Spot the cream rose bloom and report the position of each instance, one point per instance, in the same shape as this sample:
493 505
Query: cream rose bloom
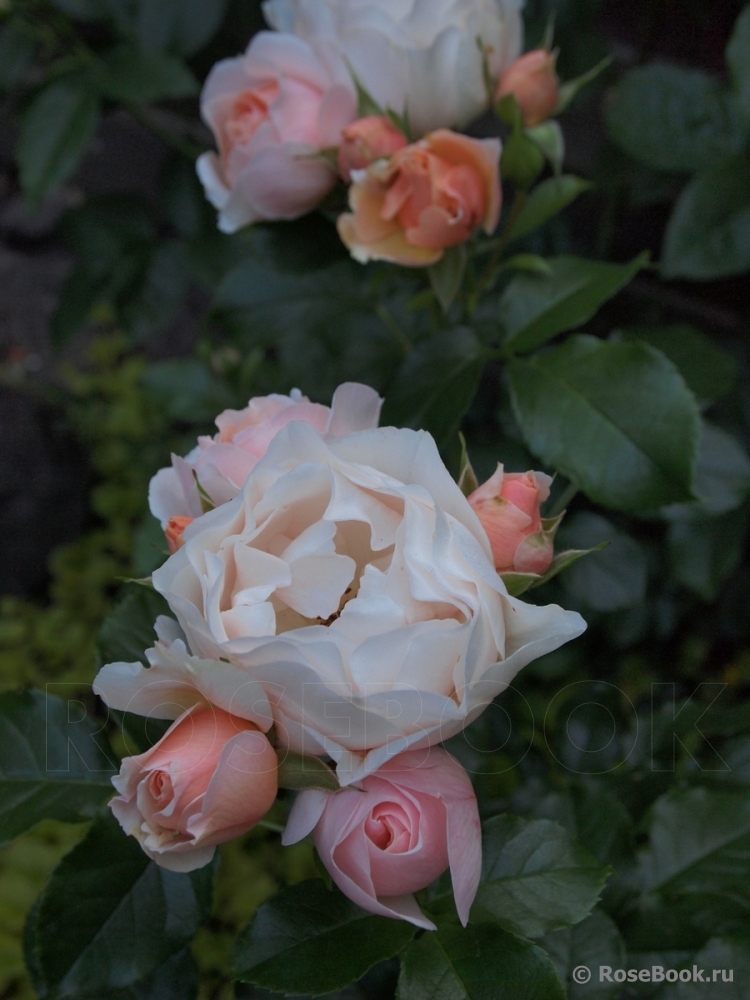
353 582
419 56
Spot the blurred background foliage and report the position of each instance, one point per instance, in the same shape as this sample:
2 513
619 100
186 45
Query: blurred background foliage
129 322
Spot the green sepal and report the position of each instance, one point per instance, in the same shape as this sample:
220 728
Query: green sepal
467 480
549 140
298 772
570 90
518 583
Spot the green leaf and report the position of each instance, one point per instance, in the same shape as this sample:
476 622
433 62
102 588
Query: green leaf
309 940
16 56
609 580
672 119
436 384
535 879
738 61
150 308
730 956
298 772
176 979
54 762
704 551
534 308
446 277
709 371
188 391
109 917
593 943
129 629
546 201
722 479
708 235
180 26
616 418
131 75
522 161
549 140
477 963
82 10
55 133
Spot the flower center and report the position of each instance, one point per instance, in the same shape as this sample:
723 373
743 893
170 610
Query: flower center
250 111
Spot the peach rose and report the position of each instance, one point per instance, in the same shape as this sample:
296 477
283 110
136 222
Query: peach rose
429 196
507 506
272 112
533 81
396 833
222 463
211 777
367 140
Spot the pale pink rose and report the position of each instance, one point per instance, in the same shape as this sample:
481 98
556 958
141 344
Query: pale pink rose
367 140
272 111
533 81
407 823
211 777
507 506
429 196
222 463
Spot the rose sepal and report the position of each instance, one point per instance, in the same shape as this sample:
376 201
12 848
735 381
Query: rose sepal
518 583
298 772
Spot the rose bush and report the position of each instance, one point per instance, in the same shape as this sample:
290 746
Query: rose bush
419 58
352 580
418 816
272 111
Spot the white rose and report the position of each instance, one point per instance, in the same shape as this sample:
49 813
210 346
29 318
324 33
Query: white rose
353 581
419 56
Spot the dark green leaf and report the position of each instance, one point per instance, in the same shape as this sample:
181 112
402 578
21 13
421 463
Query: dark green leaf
180 26
109 917
16 55
522 161
177 979
708 235
546 201
535 879
535 308
187 390
616 418
436 384
298 772
738 59
309 940
477 963
82 10
729 956
446 277
132 75
150 309
56 130
709 371
704 551
609 580
672 119
54 762
129 630
593 943
722 478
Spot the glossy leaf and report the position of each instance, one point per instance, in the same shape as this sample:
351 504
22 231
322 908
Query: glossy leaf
307 940
109 917
709 371
535 308
298 772
593 943
180 26
612 579
545 201
54 762
55 133
129 629
535 879
131 75
672 119
722 478
477 963
616 418
708 235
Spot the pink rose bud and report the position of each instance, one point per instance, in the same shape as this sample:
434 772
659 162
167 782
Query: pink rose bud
211 777
507 506
367 140
396 833
427 197
174 532
533 81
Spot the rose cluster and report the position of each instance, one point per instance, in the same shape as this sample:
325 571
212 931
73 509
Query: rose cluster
335 595
287 123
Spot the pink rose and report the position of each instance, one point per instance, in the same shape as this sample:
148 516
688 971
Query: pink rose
222 463
367 140
396 833
429 196
211 777
507 506
272 112
174 531
533 81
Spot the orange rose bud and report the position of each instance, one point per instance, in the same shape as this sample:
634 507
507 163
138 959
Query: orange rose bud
367 140
534 83
174 531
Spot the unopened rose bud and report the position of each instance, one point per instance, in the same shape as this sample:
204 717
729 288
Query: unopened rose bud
507 506
367 140
534 83
174 532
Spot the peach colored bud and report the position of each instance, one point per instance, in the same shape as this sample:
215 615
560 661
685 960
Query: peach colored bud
507 506
429 196
174 531
367 140
533 81
211 777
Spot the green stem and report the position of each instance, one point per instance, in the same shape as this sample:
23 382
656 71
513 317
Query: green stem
274 827
385 317
488 277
